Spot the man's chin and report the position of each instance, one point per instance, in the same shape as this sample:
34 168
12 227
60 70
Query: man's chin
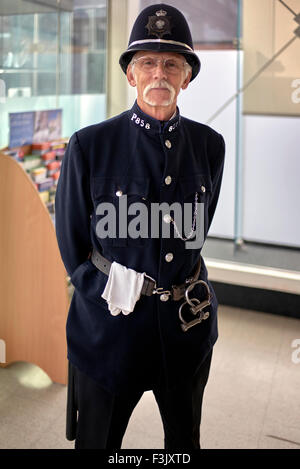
157 103
158 100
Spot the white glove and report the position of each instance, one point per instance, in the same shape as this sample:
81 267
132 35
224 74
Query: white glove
123 289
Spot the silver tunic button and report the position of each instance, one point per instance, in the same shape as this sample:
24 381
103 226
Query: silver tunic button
119 193
203 188
169 257
168 144
164 297
168 180
167 218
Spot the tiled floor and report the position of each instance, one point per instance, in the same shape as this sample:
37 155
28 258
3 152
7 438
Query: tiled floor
252 399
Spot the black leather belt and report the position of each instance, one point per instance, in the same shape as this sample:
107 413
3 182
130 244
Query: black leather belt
149 286
104 265
196 307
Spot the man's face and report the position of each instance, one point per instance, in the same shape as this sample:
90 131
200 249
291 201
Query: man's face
159 86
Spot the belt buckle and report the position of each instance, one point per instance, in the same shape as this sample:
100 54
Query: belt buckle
164 294
196 306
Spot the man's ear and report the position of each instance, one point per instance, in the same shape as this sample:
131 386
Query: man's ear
130 76
186 82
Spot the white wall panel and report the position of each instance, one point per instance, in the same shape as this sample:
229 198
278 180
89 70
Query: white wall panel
272 180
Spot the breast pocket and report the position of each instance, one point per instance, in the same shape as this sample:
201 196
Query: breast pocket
195 197
121 210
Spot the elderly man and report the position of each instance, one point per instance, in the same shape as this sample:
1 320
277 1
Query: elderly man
143 315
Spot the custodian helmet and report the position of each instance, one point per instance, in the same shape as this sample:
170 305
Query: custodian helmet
161 28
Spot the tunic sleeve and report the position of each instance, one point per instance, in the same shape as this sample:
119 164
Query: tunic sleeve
73 207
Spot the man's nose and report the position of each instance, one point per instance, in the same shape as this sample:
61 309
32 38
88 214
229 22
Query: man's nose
159 71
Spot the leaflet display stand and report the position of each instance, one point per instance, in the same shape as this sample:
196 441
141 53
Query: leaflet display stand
33 287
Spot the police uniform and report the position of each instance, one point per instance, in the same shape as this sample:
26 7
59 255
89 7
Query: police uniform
149 161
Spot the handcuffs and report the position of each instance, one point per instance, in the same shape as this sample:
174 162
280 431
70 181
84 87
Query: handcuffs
195 306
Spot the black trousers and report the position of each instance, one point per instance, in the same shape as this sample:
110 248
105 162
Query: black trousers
102 418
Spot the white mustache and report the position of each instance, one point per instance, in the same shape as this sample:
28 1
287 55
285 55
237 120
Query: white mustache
159 84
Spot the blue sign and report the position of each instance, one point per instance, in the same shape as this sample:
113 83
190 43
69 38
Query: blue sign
21 126
34 127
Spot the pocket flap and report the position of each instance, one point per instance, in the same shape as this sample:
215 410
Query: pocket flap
110 186
200 183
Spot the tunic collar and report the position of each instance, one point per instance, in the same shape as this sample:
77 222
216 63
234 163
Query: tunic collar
150 125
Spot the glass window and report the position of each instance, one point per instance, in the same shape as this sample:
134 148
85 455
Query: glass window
53 58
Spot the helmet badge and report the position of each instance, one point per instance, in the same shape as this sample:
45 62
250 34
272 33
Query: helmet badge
159 25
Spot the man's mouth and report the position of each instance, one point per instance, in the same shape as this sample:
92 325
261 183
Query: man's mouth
160 89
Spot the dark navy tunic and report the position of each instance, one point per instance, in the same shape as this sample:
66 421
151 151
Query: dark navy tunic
149 161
